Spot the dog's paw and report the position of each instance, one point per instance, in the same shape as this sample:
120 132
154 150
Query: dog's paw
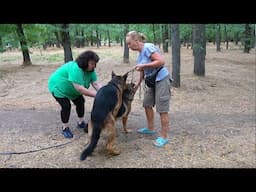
128 131
114 152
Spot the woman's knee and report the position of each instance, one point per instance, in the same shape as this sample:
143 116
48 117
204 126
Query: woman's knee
79 101
66 106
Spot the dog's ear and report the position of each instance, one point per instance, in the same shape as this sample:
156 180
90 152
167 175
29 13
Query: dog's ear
125 76
113 74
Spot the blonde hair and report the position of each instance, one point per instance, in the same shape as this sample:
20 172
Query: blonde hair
137 36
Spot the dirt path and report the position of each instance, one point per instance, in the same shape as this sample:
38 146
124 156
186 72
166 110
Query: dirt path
212 118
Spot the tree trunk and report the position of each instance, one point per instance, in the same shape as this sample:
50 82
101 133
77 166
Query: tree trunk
170 35
247 40
236 38
191 39
218 38
91 38
97 38
254 34
100 39
126 49
82 41
23 45
65 41
175 55
108 34
214 39
165 37
1 44
121 42
57 39
199 49
77 39
154 34
159 36
226 37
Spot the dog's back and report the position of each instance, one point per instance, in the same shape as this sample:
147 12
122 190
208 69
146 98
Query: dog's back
106 104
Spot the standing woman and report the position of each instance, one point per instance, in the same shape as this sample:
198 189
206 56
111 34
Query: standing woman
150 58
70 82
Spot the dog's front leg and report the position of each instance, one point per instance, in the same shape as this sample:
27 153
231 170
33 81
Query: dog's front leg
124 120
111 127
90 127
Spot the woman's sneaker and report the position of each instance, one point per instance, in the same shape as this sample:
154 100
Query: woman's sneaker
83 125
67 133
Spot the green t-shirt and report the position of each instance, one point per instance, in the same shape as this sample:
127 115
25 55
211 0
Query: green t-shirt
61 81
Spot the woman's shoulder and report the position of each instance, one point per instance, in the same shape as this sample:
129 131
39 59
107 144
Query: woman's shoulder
73 67
72 64
68 64
150 47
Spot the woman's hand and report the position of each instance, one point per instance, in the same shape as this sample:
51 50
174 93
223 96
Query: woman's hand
96 85
139 67
84 91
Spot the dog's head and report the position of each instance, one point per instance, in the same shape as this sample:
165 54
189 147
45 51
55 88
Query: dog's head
129 91
119 80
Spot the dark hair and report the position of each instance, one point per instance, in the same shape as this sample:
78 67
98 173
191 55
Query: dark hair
83 59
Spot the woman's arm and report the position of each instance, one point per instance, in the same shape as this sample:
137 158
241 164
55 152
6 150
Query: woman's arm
96 85
156 61
84 91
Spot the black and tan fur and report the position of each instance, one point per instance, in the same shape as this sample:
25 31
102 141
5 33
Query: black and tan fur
125 109
107 103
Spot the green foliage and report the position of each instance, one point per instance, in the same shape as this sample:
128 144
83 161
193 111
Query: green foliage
210 32
39 34
9 38
185 31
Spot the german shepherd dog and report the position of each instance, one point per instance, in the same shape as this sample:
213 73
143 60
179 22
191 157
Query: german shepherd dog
125 109
106 105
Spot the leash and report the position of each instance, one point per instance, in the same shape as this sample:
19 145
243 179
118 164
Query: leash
131 71
36 150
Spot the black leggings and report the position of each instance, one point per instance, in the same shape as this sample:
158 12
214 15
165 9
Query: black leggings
66 107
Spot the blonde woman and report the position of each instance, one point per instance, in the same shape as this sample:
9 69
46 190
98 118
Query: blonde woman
148 60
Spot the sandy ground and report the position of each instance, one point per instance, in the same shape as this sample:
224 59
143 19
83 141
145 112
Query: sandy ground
212 118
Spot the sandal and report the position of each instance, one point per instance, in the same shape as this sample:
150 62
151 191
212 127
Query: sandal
160 142
145 130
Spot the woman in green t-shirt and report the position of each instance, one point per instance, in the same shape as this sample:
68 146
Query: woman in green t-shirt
71 81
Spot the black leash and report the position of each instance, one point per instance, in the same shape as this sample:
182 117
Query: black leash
36 150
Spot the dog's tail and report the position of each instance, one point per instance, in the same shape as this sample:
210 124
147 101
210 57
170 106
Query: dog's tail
94 140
